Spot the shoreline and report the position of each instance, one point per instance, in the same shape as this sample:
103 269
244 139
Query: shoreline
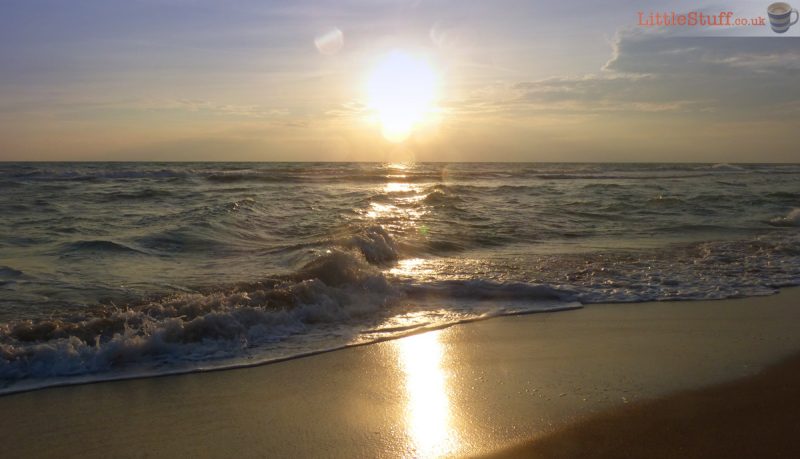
241 366
77 381
471 389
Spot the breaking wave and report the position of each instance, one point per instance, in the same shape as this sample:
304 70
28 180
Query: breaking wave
85 247
791 219
341 289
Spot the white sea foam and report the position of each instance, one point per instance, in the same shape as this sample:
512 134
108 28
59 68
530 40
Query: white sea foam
341 288
198 331
791 219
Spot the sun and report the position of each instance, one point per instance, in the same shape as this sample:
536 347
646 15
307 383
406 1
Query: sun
401 91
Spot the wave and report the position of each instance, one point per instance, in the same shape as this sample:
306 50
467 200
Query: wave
345 296
730 183
791 219
375 244
342 287
250 176
96 246
727 167
607 176
136 195
184 239
784 195
190 330
87 174
438 197
9 276
480 289
362 173
336 287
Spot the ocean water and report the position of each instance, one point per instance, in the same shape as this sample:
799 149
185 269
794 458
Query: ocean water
115 270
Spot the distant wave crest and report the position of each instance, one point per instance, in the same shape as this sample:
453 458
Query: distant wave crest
791 219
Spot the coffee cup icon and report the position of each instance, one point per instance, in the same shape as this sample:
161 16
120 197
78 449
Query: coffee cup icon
780 15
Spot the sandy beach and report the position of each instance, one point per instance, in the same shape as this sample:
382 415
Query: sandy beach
754 416
466 390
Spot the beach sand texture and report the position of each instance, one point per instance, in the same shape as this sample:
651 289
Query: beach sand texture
465 390
751 417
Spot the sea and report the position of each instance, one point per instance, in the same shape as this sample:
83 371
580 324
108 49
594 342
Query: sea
121 270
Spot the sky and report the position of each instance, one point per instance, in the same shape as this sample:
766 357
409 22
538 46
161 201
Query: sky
199 80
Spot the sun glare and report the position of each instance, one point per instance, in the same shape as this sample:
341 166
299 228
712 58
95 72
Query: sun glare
401 91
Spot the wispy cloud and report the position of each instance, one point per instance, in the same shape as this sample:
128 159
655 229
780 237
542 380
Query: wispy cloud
653 71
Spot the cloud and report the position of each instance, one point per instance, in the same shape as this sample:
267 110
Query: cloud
56 106
656 72
660 51
211 108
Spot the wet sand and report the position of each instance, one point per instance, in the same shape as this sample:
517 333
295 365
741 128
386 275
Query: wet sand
466 390
755 416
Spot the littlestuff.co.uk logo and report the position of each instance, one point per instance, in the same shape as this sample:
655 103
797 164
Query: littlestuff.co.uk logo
779 18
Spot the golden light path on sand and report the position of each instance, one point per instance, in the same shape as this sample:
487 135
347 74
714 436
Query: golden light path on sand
427 413
428 417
